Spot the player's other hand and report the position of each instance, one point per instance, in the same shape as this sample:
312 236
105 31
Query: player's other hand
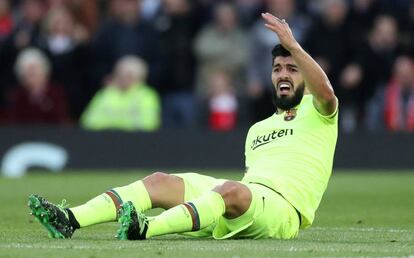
282 29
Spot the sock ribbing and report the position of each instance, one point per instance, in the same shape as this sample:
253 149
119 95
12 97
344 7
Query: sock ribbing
190 216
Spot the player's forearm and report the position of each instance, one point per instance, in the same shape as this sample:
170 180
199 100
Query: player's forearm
315 78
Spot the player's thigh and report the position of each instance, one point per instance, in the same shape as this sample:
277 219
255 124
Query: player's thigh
197 184
274 216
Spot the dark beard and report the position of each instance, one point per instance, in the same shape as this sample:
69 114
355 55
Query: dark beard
286 103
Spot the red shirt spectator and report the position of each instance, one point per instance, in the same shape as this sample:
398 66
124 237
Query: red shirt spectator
6 21
46 107
36 101
223 103
399 97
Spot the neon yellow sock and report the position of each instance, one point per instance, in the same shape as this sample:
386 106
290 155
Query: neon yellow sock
137 194
103 208
190 216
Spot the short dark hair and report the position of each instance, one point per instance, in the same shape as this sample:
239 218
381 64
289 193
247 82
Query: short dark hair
279 50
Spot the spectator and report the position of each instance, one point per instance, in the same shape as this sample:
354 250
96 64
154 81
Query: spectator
151 9
328 38
85 13
361 17
127 103
371 70
260 66
25 33
178 25
248 11
222 102
407 28
125 33
70 57
399 96
222 44
6 21
28 25
35 101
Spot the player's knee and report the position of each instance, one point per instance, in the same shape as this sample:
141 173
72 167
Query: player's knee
230 190
157 179
165 191
236 196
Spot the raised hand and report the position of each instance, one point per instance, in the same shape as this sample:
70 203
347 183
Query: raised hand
282 29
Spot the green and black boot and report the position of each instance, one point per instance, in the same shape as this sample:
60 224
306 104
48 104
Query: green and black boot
133 224
54 218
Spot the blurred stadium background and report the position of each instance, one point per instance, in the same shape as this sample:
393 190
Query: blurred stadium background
176 83
112 86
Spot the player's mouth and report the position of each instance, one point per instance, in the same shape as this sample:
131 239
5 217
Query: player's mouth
284 88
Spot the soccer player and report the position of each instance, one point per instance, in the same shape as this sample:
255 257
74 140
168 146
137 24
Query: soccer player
289 160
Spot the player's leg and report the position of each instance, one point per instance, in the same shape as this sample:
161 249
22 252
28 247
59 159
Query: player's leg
157 190
268 216
230 199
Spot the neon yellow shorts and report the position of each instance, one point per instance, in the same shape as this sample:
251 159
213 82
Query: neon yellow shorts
269 214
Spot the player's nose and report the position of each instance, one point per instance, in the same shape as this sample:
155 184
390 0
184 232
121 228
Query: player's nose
284 76
283 73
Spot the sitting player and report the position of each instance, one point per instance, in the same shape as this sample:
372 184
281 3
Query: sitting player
289 160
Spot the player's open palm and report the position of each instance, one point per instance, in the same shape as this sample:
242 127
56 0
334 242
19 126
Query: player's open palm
282 29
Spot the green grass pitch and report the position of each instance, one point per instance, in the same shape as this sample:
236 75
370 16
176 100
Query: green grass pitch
362 214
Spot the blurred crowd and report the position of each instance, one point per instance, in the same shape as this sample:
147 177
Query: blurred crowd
147 64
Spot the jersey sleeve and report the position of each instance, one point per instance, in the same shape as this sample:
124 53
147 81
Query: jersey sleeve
332 118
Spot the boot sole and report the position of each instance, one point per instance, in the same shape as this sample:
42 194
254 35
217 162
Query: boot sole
42 216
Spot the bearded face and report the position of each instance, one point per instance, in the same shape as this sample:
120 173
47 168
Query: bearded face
288 85
286 102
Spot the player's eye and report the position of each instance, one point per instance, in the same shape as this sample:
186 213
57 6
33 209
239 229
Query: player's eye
293 69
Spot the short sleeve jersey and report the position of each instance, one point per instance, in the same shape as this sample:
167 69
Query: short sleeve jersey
292 153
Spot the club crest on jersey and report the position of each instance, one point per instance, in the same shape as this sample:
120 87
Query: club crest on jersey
290 114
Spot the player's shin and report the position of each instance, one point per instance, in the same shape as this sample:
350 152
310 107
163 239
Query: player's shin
190 216
104 207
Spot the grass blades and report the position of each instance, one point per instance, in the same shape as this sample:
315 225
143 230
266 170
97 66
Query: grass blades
363 214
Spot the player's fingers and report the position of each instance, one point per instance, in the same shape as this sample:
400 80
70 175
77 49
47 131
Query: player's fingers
271 27
277 29
268 19
273 19
277 26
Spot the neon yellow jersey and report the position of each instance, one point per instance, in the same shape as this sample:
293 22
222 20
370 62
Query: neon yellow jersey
292 153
